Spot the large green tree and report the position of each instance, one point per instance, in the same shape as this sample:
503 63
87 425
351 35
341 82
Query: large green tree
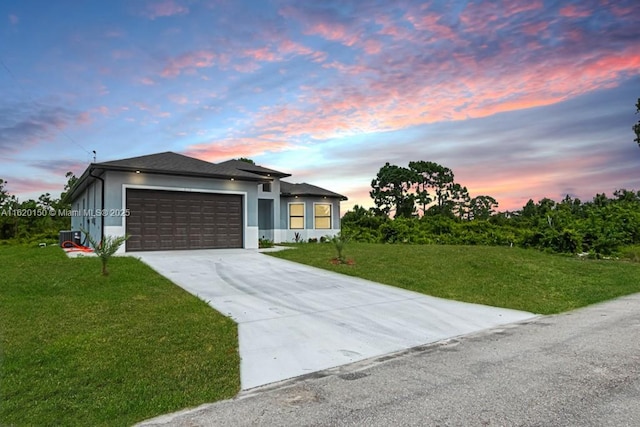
482 207
391 191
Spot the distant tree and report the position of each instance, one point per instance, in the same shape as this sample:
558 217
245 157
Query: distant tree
435 186
71 181
424 181
391 188
636 127
626 195
5 197
482 207
246 160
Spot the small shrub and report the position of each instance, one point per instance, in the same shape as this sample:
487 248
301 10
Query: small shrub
106 248
265 243
339 243
313 240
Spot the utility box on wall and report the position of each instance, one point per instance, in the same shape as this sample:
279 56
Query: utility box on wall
69 237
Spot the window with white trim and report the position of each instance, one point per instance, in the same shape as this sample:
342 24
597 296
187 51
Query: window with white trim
296 216
322 216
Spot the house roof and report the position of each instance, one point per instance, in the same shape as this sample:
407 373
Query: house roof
178 164
170 163
250 167
304 189
167 163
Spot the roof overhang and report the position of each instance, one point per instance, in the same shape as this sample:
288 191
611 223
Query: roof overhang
97 170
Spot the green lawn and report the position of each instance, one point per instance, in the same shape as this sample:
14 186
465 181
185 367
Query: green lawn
504 277
80 349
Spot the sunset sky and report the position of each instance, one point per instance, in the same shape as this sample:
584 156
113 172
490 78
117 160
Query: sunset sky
521 100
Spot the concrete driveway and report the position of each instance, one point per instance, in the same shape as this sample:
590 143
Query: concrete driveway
295 320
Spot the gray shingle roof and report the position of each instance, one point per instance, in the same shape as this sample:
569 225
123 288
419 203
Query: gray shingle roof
304 189
248 167
177 164
170 163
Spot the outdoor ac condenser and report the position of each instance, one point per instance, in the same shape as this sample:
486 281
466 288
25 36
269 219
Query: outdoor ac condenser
70 236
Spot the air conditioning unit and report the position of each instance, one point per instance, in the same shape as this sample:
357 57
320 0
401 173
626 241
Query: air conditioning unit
69 238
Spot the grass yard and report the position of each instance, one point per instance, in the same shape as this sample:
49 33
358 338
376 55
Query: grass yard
80 349
498 276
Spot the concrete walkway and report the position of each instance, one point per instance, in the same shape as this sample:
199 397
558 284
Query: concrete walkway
295 320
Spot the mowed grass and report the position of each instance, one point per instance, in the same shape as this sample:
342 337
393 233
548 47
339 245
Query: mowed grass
498 276
81 349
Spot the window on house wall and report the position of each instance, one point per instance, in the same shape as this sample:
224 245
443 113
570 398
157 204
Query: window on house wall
266 187
296 216
322 215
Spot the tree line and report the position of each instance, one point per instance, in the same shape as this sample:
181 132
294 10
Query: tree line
426 188
422 204
34 220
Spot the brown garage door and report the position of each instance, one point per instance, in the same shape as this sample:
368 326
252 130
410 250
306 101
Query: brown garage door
170 220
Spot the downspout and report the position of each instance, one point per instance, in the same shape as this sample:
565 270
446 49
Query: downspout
101 204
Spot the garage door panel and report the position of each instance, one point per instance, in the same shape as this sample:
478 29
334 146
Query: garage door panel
171 220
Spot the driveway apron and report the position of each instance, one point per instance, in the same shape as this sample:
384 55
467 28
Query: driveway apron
295 320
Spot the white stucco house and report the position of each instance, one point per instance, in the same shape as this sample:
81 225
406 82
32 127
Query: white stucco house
168 201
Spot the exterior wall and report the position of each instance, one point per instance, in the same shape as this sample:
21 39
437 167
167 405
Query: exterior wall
116 184
266 219
284 234
85 212
273 217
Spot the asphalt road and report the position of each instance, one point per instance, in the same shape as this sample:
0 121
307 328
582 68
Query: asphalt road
580 368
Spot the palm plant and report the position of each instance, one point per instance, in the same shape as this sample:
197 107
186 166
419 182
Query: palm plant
106 248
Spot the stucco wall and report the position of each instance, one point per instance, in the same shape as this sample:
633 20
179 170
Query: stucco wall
116 181
116 184
287 235
85 212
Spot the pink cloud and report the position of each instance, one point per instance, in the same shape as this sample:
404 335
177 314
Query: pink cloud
573 11
371 97
83 118
535 28
13 19
513 7
164 8
103 110
33 186
431 23
277 50
229 148
189 61
321 26
178 99
147 81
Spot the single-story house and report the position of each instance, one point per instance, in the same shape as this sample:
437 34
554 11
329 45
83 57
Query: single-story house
168 201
